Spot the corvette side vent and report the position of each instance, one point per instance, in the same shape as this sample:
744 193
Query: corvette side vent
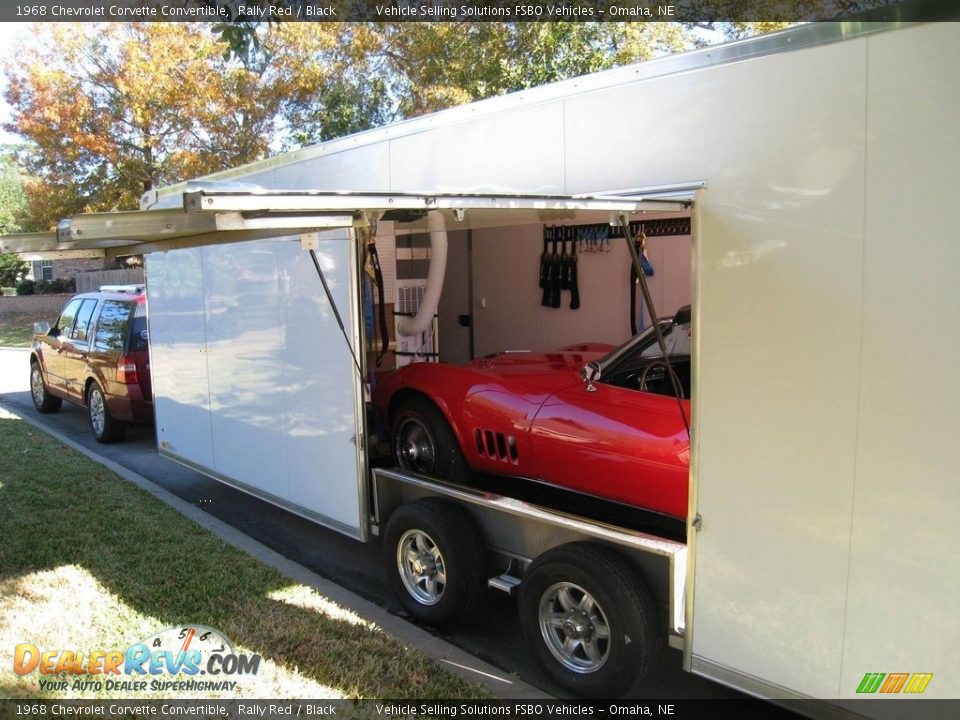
496 446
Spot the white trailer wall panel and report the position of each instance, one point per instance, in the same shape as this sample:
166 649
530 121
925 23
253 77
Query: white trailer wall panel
254 380
904 583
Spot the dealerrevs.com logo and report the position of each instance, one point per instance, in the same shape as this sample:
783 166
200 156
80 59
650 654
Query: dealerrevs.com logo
171 660
894 683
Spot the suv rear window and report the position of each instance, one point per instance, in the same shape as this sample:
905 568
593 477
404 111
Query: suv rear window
138 333
114 326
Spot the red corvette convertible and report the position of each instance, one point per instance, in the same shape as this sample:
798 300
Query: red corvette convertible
606 424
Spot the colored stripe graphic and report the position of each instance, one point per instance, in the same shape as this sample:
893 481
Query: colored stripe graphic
918 682
870 682
894 683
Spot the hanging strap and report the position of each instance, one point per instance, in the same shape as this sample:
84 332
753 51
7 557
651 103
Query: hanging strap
572 273
647 268
382 305
648 300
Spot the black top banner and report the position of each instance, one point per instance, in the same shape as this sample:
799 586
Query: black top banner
698 11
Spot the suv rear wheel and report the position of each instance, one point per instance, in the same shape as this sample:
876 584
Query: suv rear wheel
104 427
42 399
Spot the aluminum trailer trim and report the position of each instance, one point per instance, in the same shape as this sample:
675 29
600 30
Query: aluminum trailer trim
141 231
213 200
519 512
215 215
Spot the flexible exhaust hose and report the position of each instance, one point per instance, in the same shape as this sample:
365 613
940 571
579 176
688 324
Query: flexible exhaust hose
438 265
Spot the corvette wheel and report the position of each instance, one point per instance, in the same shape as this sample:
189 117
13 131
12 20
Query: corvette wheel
42 399
424 443
432 554
589 620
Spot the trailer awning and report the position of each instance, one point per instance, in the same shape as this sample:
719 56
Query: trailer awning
216 215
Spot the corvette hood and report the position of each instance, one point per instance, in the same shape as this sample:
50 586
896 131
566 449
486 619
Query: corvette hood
543 371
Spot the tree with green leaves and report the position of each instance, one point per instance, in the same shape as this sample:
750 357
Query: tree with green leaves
13 204
13 201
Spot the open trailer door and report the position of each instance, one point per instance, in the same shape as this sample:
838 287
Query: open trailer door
255 323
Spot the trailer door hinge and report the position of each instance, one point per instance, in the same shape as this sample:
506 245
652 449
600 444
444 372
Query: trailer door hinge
310 241
698 523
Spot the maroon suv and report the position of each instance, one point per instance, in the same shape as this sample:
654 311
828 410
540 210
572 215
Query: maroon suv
96 356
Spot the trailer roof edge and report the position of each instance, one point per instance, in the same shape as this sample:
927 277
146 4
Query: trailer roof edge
796 38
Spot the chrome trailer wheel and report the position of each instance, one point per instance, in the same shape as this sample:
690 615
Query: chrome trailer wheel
434 560
574 627
421 566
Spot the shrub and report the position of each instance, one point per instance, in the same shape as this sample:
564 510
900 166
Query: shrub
54 287
26 287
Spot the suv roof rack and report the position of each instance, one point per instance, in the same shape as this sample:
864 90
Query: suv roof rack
134 289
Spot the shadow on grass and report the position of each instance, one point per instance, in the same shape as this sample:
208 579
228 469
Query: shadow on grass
58 509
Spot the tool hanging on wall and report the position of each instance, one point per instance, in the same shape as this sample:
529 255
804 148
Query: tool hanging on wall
556 270
564 259
545 264
640 243
572 280
549 265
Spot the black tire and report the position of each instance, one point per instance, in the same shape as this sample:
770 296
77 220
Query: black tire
433 557
42 399
589 620
104 427
423 442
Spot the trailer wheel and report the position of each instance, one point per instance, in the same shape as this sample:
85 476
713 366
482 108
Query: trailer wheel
433 552
424 443
589 620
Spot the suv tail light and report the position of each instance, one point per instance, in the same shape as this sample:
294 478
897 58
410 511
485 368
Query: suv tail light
127 370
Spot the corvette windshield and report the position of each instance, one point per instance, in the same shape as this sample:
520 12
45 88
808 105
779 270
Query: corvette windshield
676 337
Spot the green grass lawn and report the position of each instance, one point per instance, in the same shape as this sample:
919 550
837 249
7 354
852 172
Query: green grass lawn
16 331
90 562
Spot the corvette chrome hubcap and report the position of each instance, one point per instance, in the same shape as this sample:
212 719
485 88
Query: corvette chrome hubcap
415 448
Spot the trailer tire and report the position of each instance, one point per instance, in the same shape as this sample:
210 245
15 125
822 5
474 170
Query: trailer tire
424 443
589 620
433 556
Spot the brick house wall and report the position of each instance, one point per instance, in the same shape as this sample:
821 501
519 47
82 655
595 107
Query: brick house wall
69 268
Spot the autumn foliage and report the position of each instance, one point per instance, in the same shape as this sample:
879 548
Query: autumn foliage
116 109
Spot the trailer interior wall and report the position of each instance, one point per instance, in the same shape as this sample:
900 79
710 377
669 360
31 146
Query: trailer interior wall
507 308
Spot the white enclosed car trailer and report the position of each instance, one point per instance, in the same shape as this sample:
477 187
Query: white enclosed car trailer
821 169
